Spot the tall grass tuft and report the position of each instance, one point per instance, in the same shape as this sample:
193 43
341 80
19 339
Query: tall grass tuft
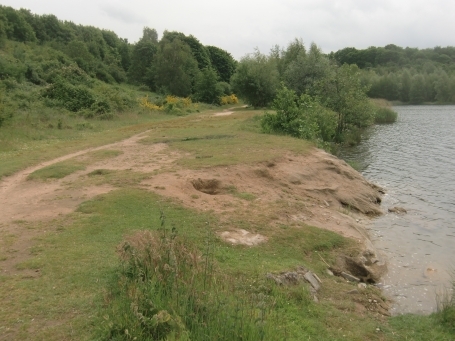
446 307
385 115
167 289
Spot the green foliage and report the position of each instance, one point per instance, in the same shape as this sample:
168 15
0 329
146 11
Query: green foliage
174 68
226 87
385 115
394 72
394 56
15 26
223 63
417 93
142 56
4 112
341 91
301 117
72 97
206 88
168 290
305 69
198 50
256 79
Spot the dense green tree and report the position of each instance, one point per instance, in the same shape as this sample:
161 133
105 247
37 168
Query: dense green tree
56 30
174 68
341 91
150 35
445 89
206 88
307 69
386 87
198 50
3 35
78 51
256 79
222 62
15 25
405 86
417 92
142 57
295 49
125 50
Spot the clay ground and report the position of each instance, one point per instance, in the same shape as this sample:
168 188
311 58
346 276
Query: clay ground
315 189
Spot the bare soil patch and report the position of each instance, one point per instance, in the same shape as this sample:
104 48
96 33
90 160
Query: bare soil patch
314 189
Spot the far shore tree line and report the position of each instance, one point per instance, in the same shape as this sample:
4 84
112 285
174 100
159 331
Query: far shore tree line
315 96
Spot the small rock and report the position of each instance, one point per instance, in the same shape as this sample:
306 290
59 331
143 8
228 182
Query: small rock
362 285
370 300
374 301
397 209
329 272
349 277
312 280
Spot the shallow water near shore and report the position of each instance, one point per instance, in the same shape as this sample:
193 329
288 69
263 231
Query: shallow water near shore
414 161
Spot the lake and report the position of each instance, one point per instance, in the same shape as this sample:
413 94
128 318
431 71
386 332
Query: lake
414 161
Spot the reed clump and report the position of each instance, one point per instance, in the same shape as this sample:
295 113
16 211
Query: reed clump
385 115
446 307
168 289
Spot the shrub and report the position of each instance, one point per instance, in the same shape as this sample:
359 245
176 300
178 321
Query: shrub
72 74
73 98
231 99
301 117
145 103
207 88
385 115
226 87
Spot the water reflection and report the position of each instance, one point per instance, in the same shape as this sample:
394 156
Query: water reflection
414 160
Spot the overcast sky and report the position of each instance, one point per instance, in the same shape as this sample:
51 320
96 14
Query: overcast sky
239 26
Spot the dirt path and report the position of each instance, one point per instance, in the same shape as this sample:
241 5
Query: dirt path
23 201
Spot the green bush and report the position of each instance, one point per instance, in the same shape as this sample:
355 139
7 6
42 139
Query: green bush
73 98
385 115
207 88
301 117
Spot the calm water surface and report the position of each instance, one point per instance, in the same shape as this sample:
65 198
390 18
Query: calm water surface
414 160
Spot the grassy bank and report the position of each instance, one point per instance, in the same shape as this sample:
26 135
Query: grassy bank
132 263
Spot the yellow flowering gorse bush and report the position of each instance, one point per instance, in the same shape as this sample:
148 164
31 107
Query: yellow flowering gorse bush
145 103
232 99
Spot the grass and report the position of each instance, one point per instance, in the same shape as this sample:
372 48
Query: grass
57 171
37 133
117 178
78 266
446 306
236 139
85 291
241 195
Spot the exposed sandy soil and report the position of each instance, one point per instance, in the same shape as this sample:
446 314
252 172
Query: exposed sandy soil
315 189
